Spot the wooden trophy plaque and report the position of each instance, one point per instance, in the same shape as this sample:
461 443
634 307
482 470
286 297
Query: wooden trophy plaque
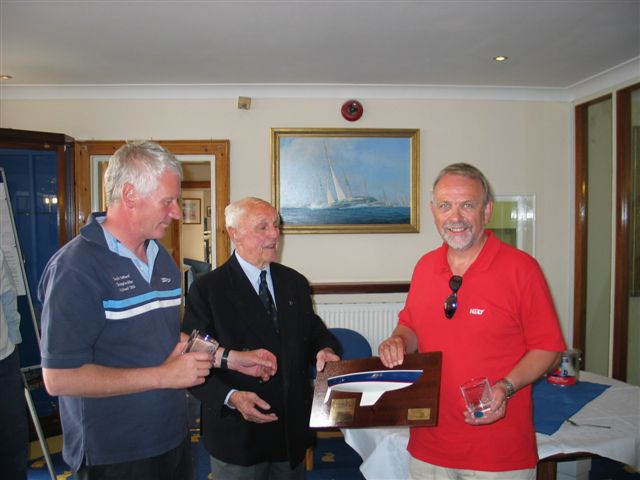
364 393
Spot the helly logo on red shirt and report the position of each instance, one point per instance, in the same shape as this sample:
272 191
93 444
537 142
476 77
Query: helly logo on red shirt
476 311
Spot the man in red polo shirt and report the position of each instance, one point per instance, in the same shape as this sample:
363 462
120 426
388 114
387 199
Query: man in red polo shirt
498 321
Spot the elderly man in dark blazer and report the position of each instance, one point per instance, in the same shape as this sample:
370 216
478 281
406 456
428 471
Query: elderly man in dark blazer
255 429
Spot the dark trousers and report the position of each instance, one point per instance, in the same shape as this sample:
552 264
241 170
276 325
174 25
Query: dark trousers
14 426
260 471
172 465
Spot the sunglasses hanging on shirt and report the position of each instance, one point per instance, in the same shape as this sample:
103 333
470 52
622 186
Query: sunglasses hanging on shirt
451 302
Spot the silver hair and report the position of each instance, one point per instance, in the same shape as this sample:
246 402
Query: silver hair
140 164
238 209
468 171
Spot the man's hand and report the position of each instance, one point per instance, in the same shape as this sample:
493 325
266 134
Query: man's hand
497 409
184 371
391 351
255 363
248 403
527 370
325 355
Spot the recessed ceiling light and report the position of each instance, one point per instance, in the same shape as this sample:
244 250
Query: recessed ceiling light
500 58
5 77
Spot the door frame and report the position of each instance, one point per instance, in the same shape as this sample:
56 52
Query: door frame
221 190
63 145
581 225
621 279
623 232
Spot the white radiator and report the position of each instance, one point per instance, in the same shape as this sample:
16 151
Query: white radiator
375 321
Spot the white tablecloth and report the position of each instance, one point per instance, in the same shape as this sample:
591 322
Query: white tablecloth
384 454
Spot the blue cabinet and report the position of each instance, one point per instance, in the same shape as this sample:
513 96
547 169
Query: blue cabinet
32 185
38 167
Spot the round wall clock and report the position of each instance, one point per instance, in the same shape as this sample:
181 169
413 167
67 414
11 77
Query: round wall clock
352 110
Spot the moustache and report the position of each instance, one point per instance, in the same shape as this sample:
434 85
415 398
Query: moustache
455 225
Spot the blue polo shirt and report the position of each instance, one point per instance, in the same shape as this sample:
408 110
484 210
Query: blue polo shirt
99 308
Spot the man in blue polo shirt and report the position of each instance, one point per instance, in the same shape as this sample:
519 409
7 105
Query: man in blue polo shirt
111 341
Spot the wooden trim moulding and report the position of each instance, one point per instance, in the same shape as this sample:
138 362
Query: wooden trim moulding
365 287
623 234
581 198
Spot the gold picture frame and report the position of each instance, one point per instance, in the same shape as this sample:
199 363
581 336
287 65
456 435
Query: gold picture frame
191 211
337 180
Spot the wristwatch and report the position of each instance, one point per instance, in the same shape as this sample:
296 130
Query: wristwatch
511 390
225 356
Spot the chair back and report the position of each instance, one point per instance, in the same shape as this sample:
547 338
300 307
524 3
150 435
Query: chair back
353 343
198 267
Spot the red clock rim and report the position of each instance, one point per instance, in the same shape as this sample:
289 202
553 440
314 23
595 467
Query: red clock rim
356 114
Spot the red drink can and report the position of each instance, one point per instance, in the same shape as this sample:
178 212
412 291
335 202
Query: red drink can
568 371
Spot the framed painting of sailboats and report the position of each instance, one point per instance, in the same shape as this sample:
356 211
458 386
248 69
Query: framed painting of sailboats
346 180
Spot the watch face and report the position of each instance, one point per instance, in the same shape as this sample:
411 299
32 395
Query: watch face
352 110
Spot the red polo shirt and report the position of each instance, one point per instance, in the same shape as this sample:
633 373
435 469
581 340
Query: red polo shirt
504 310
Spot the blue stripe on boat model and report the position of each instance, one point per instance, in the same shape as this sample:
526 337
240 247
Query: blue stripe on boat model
139 299
400 376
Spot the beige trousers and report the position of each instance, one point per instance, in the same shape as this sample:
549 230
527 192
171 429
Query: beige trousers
419 470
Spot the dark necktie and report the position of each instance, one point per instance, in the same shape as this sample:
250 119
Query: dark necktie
267 300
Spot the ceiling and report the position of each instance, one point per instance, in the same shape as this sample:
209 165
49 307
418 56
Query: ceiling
550 43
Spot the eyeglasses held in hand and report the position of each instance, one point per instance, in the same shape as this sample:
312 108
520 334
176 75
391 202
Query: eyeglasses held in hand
451 302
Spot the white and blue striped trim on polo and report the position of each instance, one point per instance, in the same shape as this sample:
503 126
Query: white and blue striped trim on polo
133 306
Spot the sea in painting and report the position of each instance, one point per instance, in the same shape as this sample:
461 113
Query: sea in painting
341 216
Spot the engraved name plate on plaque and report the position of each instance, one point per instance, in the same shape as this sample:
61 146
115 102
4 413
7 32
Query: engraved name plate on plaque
364 393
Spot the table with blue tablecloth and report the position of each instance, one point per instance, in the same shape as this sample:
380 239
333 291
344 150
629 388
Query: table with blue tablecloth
595 400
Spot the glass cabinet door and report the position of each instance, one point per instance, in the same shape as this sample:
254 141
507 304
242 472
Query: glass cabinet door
633 325
32 185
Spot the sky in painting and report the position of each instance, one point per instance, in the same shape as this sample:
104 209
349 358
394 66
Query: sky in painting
365 166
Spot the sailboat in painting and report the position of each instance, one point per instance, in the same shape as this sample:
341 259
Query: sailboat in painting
346 199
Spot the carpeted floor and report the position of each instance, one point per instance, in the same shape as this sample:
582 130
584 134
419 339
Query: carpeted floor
333 460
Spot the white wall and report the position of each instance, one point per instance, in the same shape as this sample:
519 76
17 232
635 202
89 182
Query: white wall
192 238
522 146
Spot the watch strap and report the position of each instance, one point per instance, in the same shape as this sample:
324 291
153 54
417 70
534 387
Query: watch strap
224 359
510 389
